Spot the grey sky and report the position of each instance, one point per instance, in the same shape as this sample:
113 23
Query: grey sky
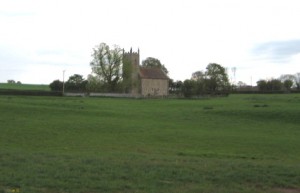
40 39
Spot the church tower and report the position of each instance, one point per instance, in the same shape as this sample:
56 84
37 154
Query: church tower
131 67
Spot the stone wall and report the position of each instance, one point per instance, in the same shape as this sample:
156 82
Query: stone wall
154 87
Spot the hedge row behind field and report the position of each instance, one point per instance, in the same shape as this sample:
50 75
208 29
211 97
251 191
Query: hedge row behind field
29 92
264 92
58 93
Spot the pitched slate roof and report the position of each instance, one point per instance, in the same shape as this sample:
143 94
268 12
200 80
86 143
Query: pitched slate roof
152 73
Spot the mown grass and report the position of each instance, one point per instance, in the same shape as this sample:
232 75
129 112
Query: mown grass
241 143
25 86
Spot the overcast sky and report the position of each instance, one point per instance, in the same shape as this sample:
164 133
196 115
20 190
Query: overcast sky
40 39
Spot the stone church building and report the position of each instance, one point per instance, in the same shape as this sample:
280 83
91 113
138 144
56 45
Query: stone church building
144 81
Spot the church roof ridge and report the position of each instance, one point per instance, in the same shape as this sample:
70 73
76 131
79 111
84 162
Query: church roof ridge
152 73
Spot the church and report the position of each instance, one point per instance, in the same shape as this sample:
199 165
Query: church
143 81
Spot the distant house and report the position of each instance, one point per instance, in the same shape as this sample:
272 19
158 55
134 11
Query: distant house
143 81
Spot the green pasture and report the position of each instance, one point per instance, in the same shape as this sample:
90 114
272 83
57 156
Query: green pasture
235 144
25 86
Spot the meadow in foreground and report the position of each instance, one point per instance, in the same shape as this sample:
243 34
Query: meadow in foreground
237 144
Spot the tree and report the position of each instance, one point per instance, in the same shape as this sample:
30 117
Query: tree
200 81
241 84
94 84
189 88
76 82
198 76
288 84
270 85
172 85
175 87
262 85
217 77
75 79
288 78
274 85
56 85
297 80
153 62
284 77
11 82
106 64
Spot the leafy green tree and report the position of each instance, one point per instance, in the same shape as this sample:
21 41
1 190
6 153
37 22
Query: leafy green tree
106 64
274 85
153 62
171 85
201 81
262 85
270 85
198 76
76 79
217 77
189 88
76 82
175 87
94 84
56 85
288 84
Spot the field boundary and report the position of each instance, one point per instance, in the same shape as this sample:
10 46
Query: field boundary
29 92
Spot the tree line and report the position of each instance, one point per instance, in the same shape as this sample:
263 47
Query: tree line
213 81
109 75
285 82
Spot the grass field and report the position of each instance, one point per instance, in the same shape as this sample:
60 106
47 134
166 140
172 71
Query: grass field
237 144
25 86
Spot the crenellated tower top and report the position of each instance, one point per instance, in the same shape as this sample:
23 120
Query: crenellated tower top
133 57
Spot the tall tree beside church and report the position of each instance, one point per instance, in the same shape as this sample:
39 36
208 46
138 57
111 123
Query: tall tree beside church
153 62
106 64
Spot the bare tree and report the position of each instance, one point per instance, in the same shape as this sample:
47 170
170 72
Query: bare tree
241 84
288 78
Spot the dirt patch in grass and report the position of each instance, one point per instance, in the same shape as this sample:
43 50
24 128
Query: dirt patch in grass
263 105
